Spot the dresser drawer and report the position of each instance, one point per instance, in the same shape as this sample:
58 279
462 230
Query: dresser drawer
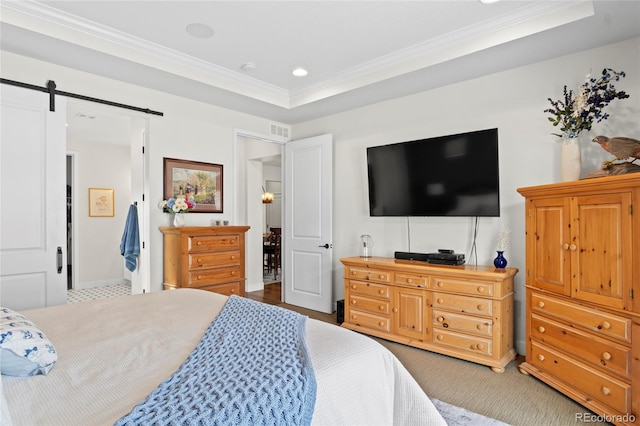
369 289
464 342
469 305
369 274
201 243
227 288
368 320
208 276
370 305
212 260
600 352
474 288
413 280
599 322
457 322
601 387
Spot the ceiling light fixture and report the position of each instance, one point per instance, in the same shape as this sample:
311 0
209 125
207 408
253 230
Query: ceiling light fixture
300 72
200 30
248 67
489 1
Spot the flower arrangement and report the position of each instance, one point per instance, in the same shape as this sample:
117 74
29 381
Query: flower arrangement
503 239
577 113
177 205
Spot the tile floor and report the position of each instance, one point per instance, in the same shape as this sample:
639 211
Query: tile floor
75 296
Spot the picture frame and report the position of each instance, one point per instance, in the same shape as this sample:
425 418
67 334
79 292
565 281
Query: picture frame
202 181
101 202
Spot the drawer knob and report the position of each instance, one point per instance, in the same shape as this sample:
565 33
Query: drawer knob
233 256
381 323
606 390
541 304
605 325
541 357
233 272
233 290
573 247
381 277
353 272
353 286
480 289
354 317
606 356
480 327
353 302
381 307
440 284
440 319
480 307
199 277
395 310
199 243
199 260
409 280
565 246
541 329
440 301
479 346
439 337
381 291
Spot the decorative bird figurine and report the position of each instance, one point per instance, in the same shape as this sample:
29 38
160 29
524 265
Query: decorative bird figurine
622 147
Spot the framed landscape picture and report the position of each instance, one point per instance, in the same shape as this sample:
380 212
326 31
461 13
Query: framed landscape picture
201 182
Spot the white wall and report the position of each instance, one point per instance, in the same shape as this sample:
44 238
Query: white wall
100 165
188 130
513 101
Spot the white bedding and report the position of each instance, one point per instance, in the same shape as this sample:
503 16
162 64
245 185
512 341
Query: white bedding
113 352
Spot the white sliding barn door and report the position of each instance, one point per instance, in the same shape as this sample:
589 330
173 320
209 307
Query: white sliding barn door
32 200
308 225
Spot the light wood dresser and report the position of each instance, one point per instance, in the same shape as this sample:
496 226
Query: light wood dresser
205 257
461 311
582 290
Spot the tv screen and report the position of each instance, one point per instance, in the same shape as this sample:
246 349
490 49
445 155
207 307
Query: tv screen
454 175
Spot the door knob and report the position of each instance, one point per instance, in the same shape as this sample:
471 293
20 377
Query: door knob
59 259
326 246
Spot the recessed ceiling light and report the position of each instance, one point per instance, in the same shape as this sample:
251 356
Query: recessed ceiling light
248 67
489 1
200 30
300 72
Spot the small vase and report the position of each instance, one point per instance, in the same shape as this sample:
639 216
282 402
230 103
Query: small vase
500 262
570 161
178 219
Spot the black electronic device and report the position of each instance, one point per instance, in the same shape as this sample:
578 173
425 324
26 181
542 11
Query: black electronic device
447 262
405 255
445 251
445 256
340 311
453 175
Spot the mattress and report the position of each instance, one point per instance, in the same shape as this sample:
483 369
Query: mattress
113 352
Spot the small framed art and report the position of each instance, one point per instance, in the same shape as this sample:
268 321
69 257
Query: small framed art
101 202
193 179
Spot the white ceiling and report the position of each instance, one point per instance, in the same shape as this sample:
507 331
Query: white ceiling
357 52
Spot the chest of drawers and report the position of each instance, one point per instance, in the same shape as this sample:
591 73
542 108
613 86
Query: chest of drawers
205 257
460 311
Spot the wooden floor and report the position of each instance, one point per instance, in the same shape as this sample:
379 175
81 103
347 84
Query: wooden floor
271 294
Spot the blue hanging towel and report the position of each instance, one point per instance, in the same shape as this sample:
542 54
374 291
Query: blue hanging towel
130 243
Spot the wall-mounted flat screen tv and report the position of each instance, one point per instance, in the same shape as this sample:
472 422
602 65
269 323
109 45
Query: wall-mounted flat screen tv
453 175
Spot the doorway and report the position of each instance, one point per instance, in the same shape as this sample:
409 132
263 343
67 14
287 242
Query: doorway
103 152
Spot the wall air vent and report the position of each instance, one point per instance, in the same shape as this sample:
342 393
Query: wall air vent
279 130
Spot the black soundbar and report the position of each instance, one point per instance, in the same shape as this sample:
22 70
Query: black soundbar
439 258
404 255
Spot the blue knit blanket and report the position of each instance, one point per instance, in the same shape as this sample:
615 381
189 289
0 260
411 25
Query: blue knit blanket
251 367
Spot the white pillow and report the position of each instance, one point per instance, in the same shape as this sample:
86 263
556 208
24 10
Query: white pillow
24 349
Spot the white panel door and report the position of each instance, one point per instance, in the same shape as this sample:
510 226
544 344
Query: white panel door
32 200
308 225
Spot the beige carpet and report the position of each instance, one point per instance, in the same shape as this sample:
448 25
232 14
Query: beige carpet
510 397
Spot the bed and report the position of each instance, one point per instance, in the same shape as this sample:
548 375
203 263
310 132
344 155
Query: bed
112 353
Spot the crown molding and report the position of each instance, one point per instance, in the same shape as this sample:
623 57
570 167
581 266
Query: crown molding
522 22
